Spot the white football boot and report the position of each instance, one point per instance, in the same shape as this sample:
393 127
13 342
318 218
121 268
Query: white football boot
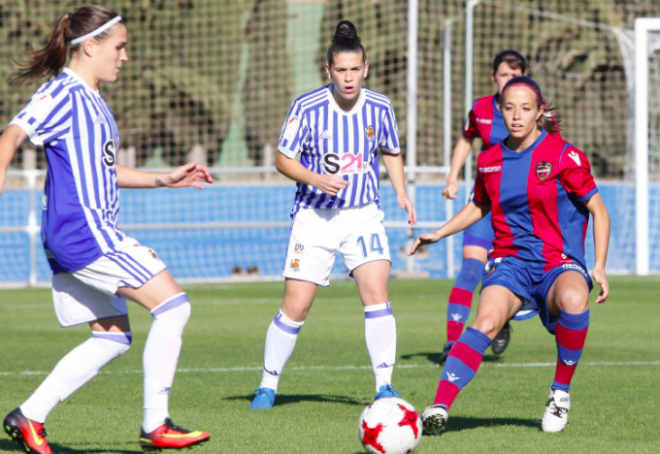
434 419
556 411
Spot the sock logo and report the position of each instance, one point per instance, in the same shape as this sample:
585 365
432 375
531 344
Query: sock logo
271 372
164 391
452 377
384 366
568 362
456 317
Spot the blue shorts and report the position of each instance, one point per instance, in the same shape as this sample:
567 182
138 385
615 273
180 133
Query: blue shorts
480 234
531 282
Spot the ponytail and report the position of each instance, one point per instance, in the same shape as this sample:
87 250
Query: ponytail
550 120
52 58
47 61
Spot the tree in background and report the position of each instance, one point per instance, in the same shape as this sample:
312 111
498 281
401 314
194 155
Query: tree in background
267 89
177 90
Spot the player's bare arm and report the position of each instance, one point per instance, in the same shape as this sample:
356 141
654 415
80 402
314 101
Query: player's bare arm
461 153
597 208
11 139
190 175
463 219
291 168
394 165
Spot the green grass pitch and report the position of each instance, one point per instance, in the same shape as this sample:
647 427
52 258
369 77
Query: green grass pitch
328 380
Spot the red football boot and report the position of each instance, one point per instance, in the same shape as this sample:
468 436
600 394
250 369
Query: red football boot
29 435
169 436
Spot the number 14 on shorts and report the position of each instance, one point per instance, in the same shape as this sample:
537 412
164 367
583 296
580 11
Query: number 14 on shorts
375 245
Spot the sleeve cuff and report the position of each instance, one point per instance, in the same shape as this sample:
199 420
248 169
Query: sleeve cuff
588 195
286 152
29 130
395 151
480 204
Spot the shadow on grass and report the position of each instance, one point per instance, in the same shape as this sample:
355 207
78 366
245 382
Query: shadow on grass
461 423
10 446
434 357
285 399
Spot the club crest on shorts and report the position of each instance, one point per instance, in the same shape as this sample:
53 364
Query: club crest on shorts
295 265
369 132
543 170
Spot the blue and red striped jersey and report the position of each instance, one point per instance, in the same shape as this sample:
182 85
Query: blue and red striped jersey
335 142
537 200
485 121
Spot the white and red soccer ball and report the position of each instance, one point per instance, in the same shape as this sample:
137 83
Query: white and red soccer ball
390 426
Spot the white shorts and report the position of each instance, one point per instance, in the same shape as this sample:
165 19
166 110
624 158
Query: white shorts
91 293
316 235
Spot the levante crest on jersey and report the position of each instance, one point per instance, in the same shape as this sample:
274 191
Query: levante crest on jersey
543 170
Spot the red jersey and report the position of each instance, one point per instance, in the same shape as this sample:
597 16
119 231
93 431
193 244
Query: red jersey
537 200
485 121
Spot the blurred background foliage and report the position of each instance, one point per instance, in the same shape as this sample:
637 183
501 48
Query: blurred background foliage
221 74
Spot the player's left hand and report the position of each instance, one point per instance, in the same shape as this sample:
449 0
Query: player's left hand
189 176
406 204
601 279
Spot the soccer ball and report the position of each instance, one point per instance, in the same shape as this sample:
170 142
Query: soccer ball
390 426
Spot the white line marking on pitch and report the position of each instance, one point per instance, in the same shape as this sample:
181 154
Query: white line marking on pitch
337 368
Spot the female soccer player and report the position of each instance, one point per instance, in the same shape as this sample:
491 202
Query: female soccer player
96 266
337 130
540 192
484 121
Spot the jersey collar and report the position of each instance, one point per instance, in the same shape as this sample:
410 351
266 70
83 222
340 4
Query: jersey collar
530 148
73 75
356 108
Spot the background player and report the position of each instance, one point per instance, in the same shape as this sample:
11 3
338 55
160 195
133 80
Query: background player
540 192
337 130
96 266
484 121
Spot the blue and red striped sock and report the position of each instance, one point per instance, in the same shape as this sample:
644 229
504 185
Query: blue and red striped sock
461 365
460 298
571 335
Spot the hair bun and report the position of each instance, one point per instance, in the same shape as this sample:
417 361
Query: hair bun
346 31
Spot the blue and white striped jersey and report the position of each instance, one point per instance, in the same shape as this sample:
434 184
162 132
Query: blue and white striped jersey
333 141
81 201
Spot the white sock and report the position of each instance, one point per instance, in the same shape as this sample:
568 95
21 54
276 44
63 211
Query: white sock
78 367
380 333
161 355
280 341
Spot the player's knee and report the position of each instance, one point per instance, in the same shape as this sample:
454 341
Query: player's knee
487 325
297 313
573 301
375 296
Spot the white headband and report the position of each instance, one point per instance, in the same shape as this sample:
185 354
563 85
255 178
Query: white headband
96 32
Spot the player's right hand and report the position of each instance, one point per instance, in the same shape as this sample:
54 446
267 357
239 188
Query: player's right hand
331 184
449 192
601 279
424 238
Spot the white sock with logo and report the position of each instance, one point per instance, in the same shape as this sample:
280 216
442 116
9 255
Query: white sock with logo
280 341
78 367
380 333
161 355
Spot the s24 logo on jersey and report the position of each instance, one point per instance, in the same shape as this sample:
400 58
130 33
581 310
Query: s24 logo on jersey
344 164
109 153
